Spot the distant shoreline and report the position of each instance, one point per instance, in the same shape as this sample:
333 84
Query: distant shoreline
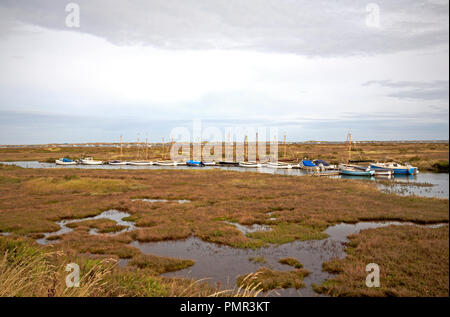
107 144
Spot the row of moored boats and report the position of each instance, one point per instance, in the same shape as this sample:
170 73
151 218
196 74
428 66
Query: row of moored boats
374 169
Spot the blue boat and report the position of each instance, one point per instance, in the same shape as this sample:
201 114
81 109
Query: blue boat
194 163
324 163
352 171
307 163
357 172
396 168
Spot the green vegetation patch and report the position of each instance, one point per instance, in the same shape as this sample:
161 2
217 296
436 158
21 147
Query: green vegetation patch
267 279
291 262
159 264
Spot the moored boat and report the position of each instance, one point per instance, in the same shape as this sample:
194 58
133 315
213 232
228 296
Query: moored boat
356 172
280 165
228 163
65 161
194 163
90 161
140 163
117 162
396 168
165 163
378 171
212 163
250 164
308 165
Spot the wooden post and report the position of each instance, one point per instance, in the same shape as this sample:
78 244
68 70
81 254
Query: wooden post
284 155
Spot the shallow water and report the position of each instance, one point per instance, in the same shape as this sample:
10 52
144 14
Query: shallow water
180 201
223 264
440 181
112 214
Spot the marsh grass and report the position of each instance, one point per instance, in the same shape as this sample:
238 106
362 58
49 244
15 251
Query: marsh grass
291 262
159 264
30 271
74 185
413 261
268 279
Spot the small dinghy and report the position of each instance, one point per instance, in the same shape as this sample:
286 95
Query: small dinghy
117 162
250 164
165 163
195 163
90 161
65 161
210 163
140 163
378 172
279 165
351 171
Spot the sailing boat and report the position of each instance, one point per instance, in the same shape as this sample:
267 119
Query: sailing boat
139 162
118 162
349 170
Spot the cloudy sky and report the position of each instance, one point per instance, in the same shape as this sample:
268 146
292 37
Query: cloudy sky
313 69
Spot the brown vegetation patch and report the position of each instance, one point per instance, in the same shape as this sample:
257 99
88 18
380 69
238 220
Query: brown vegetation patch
268 279
413 261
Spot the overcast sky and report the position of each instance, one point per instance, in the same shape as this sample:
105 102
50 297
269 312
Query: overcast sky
311 68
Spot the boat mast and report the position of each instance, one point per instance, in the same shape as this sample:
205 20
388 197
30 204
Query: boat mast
138 152
284 155
256 147
120 147
349 145
146 148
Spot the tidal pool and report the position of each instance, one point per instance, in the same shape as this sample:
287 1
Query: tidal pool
221 265
112 214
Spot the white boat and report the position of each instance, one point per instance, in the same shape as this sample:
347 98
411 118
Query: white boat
140 163
209 163
279 165
250 164
116 162
166 163
90 161
65 161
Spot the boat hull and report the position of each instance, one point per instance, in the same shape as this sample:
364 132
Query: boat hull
249 165
117 163
195 163
357 173
140 163
397 170
91 162
58 162
279 166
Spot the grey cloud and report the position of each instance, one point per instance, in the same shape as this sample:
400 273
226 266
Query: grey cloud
325 28
432 90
